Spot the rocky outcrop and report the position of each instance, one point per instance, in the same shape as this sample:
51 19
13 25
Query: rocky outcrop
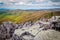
28 30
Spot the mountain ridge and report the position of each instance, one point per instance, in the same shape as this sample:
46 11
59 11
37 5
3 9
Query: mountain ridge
53 9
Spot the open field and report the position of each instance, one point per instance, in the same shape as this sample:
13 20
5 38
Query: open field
18 16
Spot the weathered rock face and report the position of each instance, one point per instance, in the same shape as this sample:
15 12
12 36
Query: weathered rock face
29 30
56 25
24 36
7 30
48 35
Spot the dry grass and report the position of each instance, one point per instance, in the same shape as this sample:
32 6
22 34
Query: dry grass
24 16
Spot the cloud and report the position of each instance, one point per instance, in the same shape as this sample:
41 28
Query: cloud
38 3
30 3
1 3
55 0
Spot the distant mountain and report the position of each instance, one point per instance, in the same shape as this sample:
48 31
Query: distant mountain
3 9
52 9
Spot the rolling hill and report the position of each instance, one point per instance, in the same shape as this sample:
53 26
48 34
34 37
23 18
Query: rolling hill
22 16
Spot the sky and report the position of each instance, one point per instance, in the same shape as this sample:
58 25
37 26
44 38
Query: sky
29 4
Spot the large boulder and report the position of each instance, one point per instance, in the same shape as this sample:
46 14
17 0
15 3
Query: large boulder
48 35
